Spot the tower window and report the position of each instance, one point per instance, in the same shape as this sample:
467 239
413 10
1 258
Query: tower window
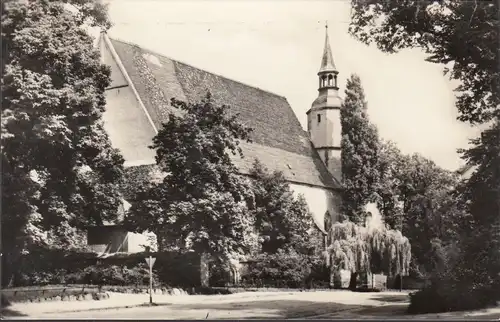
319 118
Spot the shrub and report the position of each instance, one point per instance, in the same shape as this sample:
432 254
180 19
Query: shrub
455 285
138 275
47 266
95 274
448 295
291 270
116 275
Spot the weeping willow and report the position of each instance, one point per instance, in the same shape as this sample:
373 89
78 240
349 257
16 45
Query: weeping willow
355 248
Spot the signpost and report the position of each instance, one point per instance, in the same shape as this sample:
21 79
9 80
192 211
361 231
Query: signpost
150 261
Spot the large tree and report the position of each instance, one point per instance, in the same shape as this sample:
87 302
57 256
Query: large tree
202 203
417 197
282 220
389 201
360 152
481 244
462 35
426 195
59 171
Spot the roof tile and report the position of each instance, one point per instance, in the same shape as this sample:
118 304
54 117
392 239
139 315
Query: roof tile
277 134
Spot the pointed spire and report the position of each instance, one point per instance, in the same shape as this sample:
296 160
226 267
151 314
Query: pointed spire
327 64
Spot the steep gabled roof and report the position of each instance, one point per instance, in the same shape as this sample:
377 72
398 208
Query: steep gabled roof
279 141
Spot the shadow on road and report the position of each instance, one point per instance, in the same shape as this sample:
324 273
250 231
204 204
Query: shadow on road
386 310
392 298
6 312
287 309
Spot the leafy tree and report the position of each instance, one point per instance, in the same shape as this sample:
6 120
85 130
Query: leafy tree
59 171
418 199
282 221
359 152
202 203
389 203
464 36
480 262
373 248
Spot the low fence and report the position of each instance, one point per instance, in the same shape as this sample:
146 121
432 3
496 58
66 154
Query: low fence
93 292
52 293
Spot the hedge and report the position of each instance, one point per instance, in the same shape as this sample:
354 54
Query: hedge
447 298
44 267
286 271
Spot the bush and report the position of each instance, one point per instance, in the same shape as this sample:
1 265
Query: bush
49 267
116 275
138 275
286 270
446 297
95 274
456 284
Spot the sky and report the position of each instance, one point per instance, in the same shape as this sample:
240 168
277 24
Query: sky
277 46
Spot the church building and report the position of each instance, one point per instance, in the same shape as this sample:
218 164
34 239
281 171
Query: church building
138 102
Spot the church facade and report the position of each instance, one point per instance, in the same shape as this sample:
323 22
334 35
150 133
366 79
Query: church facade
138 102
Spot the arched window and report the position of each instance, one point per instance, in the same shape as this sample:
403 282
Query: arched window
330 80
323 81
335 80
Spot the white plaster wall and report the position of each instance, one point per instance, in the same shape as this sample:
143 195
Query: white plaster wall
334 129
128 127
326 133
137 242
318 131
125 120
319 201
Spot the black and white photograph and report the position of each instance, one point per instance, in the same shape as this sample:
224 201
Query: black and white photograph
250 159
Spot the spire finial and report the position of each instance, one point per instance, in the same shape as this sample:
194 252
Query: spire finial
326 24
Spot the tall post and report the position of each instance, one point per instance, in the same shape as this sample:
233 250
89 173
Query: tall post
150 280
401 282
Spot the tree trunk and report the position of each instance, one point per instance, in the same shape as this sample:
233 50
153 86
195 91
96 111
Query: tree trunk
10 268
353 283
159 241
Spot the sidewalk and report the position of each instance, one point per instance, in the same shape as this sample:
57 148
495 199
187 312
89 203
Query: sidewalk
123 300
115 301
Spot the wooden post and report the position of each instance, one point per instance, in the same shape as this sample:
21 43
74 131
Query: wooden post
150 281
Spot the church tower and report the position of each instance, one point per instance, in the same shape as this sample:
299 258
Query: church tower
323 118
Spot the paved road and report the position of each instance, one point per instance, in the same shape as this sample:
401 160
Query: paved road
296 311
312 305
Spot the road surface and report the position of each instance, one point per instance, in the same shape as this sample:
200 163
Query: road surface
271 305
